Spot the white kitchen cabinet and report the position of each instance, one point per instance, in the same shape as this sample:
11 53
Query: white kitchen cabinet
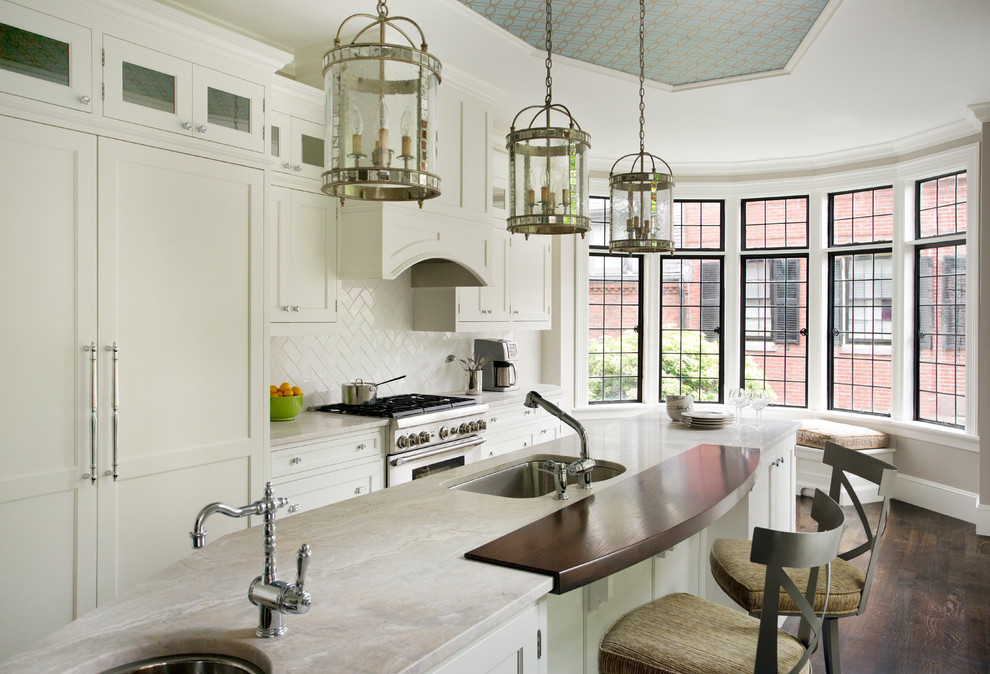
303 258
519 296
160 90
517 647
492 303
159 254
295 131
46 58
512 426
316 473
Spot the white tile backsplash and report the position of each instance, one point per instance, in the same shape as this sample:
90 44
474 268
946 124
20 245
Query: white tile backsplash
374 342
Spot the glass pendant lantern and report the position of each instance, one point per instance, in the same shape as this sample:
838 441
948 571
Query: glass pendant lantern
381 113
642 198
548 167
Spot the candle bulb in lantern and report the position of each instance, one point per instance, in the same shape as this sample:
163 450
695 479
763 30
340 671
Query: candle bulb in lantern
357 126
405 126
545 193
565 196
530 197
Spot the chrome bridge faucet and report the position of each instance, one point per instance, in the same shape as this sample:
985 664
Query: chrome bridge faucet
274 597
583 466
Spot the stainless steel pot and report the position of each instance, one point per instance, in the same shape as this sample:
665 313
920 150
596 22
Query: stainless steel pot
360 392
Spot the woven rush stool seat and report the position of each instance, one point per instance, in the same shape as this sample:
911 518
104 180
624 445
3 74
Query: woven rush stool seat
674 634
684 634
743 580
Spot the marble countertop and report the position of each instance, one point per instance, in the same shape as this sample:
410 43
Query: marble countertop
392 591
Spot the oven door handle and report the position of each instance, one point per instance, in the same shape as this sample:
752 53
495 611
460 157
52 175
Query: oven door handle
450 447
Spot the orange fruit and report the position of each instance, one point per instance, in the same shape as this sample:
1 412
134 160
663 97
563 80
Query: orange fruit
272 389
296 391
286 386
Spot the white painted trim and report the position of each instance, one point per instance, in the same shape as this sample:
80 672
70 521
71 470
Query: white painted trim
940 498
983 519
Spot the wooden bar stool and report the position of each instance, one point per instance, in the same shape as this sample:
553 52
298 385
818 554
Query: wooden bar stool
682 634
742 580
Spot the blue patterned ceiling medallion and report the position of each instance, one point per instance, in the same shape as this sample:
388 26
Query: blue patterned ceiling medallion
687 41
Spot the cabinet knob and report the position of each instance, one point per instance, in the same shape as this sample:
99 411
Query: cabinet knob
295 307
295 461
84 99
295 507
286 165
361 490
297 168
201 128
360 447
187 125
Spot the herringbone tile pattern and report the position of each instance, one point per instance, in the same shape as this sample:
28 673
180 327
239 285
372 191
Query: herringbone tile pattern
375 342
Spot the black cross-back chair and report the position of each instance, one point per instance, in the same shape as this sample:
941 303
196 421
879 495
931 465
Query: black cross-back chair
685 634
742 580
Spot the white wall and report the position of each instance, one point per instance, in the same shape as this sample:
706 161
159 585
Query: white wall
374 341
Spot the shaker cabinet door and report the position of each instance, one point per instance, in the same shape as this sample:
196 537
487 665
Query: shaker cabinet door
182 296
48 292
45 58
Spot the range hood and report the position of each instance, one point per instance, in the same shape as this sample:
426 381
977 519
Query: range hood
381 240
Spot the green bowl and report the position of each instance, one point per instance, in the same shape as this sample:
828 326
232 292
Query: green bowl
285 409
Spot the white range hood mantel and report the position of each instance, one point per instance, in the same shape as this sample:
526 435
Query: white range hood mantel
381 240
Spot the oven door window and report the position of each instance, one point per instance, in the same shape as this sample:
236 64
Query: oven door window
438 467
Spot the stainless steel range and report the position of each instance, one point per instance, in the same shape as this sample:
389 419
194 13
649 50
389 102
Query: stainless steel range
427 434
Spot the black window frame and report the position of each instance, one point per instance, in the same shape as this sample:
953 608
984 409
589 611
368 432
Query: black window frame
721 224
834 332
799 331
920 335
807 223
716 330
603 252
831 218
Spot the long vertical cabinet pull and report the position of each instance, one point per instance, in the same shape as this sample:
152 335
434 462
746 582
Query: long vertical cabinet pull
93 419
116 405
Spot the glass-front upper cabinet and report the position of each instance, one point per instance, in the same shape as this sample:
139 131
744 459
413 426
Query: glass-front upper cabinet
155 89
296 145
44 58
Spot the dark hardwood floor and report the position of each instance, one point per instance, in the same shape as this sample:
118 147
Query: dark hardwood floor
929 609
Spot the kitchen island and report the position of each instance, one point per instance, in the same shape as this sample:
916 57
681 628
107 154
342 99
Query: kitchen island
392 590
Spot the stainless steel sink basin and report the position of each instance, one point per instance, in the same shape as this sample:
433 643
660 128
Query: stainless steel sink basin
527 480
195 663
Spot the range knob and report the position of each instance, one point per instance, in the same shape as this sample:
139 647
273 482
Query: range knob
424 437
413 439
444 432
464 428
482 424
402 441
474 426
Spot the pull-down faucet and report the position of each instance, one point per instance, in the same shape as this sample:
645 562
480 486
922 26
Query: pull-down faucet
273 596
583 466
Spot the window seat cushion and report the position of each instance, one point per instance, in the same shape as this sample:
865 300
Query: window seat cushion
816 432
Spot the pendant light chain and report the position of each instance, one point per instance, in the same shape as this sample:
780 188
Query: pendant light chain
382 8
642 62
549 61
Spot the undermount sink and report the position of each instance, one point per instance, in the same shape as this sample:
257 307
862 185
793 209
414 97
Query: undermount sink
196 663
529 479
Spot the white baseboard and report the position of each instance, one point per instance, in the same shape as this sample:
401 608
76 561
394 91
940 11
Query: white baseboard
942 499
983 519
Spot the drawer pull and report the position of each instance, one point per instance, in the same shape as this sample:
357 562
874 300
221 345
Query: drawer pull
360 447
295 461
494 419
294 508
361 490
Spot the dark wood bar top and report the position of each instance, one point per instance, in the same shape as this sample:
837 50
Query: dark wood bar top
630 521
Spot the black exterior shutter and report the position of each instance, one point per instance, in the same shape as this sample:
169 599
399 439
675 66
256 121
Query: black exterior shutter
711 296
785 295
